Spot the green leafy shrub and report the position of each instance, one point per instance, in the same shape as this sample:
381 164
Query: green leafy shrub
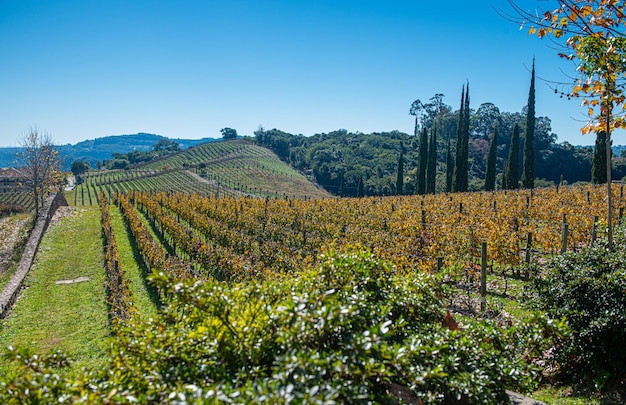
350 331
588 288
39 379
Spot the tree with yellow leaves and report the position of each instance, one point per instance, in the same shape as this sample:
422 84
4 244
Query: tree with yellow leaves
593 36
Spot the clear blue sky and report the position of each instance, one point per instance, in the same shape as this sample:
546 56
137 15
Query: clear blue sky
185 69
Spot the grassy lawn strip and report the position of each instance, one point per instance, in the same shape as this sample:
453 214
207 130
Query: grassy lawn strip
68 317
144 297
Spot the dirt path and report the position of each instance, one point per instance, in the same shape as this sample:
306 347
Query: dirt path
519 399
215 184
12 230
62 212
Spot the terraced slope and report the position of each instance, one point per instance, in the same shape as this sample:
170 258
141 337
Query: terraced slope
20 200
230 168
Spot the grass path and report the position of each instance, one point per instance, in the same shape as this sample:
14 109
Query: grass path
68 317
145 298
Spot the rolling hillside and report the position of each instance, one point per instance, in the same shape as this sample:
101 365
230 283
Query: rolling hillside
230 168
362 276
99 149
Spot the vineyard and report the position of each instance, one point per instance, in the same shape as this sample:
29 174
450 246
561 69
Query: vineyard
238 238
16 202
335 300
235 243
233 168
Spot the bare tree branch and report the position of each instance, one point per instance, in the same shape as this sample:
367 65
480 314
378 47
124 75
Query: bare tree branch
40 165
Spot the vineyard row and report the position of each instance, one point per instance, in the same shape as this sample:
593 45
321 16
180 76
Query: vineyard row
241 238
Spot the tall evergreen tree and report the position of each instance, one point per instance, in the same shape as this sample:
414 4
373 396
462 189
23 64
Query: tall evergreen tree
431 168
341 185
460 177
422 162
490 173
449 166
598 167
360 190
511 174
400 174
505 169
459 143
528 176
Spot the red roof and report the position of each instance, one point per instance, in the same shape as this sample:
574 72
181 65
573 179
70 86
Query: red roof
11 173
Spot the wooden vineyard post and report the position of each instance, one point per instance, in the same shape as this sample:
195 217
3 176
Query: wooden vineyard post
529 246
483 276
439 263
564 231
423 219
594 229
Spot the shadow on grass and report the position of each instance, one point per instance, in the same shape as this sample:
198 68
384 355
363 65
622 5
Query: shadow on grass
153 293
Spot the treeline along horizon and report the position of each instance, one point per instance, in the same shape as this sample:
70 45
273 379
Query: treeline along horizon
340 159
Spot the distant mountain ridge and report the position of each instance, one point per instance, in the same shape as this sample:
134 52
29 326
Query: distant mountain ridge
99 149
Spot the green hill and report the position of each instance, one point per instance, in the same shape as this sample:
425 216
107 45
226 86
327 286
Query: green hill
104 148
99 149
231 168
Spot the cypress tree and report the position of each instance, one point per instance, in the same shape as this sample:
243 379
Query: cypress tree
400 175
490 173
360 191
341 185
598 167
422 162
528 177
449 166
459 142
505 169
459 180
511 174
431 167
466 125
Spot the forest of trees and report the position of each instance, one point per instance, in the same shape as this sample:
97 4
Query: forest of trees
340 160
163 147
